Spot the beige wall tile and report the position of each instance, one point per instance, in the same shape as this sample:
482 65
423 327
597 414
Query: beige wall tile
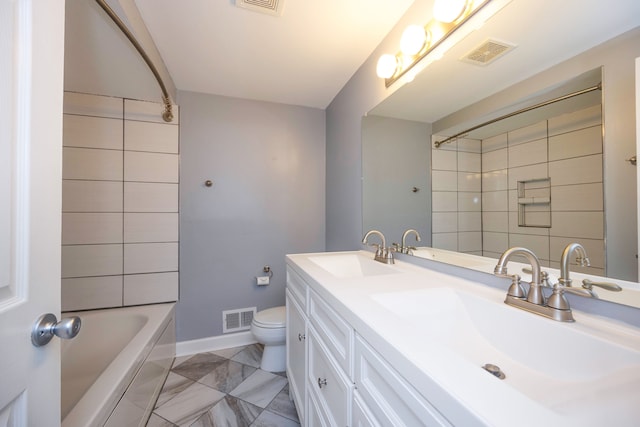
150 288
153 137
582 142
91 228
581 119
150 167
92 164
91 260
92 132
150 257
87 293
93 105
91 196
150 197
150 227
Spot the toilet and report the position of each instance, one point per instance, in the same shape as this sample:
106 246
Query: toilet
269 328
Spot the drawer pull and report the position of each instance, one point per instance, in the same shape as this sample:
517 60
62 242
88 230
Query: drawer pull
322 382
301 337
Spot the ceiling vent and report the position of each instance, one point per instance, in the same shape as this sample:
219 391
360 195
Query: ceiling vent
270 7
487 52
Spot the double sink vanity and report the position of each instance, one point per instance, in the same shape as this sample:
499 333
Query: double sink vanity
374 344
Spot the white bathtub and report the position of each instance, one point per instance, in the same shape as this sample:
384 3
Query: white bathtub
114 369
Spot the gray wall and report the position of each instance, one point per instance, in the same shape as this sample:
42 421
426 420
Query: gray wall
267 162
396 156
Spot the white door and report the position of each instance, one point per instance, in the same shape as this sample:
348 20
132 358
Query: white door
31 91
638 153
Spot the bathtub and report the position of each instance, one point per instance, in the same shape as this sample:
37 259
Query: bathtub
114 369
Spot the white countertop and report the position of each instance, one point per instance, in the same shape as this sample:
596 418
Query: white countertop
464 393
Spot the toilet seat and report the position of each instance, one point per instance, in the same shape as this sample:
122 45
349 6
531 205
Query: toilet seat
271 318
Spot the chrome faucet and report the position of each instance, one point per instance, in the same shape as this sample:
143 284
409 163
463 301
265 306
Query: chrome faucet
582 259
557 299
407 249
534 300
383 254
534 296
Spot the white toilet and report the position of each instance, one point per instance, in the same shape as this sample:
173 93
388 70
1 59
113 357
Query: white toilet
269 328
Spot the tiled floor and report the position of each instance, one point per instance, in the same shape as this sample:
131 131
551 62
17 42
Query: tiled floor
224 388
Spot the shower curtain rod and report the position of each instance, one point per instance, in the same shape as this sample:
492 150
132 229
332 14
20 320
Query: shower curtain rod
515 113
167 114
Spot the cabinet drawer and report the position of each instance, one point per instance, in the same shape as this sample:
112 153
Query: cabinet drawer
361 417
329 386
390 398
298 288
296 354
336 334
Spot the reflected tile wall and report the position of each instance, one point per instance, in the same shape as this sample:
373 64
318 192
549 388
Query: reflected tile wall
474 192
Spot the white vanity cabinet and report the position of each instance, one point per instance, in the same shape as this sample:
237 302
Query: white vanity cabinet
391 400
296 296
336 378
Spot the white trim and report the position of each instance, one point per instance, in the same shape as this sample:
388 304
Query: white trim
185 348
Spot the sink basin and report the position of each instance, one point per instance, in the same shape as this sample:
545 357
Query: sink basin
567 368
351 265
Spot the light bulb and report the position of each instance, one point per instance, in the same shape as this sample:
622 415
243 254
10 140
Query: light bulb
448 11
413 40
387 65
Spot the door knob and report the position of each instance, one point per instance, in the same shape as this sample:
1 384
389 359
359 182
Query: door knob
47 326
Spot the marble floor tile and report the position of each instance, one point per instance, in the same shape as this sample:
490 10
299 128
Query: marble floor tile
269 419
187 406
283 405
227 375
173 385
157 421
198 366
251 355
229 352
260 388
229 412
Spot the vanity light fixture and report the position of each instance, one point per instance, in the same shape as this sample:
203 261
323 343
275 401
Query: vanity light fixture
418 41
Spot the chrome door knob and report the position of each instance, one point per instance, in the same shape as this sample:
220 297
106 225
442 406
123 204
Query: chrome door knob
47 326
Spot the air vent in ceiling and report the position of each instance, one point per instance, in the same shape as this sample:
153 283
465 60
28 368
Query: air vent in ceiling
270 7
487 52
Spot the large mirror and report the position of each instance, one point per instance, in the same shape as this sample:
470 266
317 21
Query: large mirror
541 178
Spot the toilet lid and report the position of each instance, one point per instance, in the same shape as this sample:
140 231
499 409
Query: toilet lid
271 317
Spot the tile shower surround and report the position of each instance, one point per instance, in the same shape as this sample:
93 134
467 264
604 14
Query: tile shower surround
475 190
119 203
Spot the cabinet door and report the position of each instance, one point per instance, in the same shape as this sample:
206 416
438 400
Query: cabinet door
327 383
296 354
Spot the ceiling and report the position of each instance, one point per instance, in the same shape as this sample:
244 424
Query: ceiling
545 32
303 57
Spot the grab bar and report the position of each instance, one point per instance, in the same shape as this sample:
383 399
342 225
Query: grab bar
167 114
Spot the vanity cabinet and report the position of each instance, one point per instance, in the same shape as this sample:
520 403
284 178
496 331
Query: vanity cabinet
337 379
391 400
296 353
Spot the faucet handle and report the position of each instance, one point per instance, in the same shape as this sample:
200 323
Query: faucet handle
516 290
588 284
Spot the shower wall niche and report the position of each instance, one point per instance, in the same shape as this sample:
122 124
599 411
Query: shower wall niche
539 186
120 214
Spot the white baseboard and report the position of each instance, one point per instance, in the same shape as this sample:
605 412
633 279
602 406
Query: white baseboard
202 345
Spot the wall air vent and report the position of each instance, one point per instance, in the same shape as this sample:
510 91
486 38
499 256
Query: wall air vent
237 320
270 7
487 52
